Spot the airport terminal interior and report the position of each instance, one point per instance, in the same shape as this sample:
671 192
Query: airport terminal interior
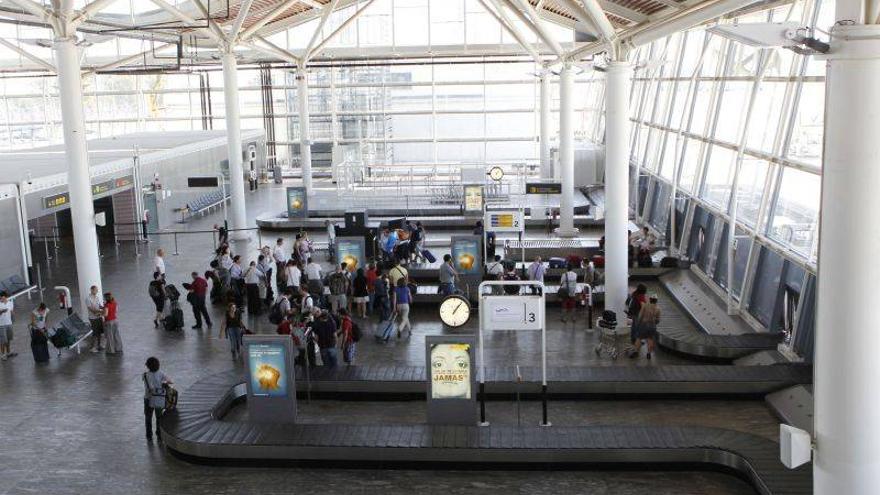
439 246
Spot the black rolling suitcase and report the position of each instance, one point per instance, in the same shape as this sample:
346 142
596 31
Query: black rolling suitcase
429 256
39 346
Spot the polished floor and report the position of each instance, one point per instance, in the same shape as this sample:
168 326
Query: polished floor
75 425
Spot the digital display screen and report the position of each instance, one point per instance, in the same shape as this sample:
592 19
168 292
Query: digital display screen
297 203
56 200
543 188
202 182
451 371
473 198
350 252
504 220
466 256
102 187
268 370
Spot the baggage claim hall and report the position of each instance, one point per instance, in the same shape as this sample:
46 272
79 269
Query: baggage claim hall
439 246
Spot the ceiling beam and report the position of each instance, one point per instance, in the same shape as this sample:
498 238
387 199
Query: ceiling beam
266 19
171 9
325 14
299 19
592 14
243 8
502 19
207 15
621 11
30 56
33 8
128 59
538 29
338 30
271 50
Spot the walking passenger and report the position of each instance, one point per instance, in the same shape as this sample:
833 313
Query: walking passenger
199 288
111 325
233 328
159 262
157 294
648 318
154 396
401 300
372 274
382 299
40 334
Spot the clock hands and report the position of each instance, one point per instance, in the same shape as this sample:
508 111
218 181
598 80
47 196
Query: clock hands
456 308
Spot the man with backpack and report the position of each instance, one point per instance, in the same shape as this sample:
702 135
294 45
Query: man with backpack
339 284
350 334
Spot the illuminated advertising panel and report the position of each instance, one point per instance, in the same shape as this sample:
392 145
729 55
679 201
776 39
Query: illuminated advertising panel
451 371
467 255
268 369
297 202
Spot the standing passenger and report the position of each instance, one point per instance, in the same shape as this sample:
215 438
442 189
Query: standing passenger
200 290
233 328
154 396
6 309
95 307
536 273
568 293
157 294
448 275
111 325
648 318
159 262
252 279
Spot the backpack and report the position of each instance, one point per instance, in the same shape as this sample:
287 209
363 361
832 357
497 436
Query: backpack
337 284
275 315
154 291
356 333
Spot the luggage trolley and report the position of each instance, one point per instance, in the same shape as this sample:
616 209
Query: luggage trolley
609 337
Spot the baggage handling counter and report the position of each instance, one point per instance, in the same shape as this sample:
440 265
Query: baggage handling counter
196 430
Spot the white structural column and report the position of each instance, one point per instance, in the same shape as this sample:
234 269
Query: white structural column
233 133
305 140
566 151
546 158
82 209
617 81
847 404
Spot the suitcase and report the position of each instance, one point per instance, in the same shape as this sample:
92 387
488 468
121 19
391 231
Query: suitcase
385 329
556 263
39 346
429 256
669 262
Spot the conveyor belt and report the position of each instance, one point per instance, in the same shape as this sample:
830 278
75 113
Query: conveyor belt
379 381
680 332
195 430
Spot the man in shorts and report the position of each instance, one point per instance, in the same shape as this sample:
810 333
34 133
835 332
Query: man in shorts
6 309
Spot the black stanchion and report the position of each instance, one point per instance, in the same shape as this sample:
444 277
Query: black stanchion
482 403
544 421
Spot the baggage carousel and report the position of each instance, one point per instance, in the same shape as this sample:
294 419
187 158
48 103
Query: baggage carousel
196 430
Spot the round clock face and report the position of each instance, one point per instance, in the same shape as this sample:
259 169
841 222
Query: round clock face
496 173
455 311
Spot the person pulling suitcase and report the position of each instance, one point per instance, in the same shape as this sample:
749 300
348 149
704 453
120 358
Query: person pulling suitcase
39 334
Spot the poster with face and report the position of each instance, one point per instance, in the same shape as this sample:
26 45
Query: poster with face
350 250
473 198
297 202
450 371
466 255
268 370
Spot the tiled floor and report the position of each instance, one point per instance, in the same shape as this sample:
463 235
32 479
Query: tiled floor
75 425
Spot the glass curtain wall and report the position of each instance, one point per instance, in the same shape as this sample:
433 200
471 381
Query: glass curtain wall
692 133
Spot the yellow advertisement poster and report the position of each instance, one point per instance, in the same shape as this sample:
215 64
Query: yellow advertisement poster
450 371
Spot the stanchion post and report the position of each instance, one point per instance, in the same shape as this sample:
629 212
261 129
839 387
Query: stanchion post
175 244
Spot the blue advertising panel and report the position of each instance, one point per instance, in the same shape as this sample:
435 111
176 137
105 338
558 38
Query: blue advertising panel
268 370
297 202
350 250
467 255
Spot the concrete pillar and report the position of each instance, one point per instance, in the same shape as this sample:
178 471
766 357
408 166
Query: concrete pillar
233 133
847 404
617 81
566 152
546 158
82 209
305 140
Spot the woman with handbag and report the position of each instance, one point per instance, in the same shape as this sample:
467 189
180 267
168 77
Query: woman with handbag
155 383
233 328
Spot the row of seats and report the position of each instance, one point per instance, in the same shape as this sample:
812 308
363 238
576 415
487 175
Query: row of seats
14 285
205 201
